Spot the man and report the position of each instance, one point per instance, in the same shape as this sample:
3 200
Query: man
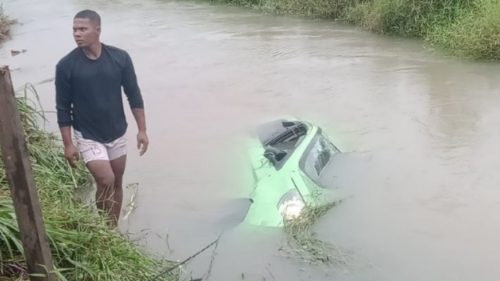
89 83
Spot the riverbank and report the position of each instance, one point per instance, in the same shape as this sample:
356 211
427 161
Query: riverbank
83 246
463 28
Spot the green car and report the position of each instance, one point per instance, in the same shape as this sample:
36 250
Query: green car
289 160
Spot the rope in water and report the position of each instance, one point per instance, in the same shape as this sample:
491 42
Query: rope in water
168 270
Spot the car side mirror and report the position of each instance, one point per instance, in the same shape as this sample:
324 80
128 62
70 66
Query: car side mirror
274 155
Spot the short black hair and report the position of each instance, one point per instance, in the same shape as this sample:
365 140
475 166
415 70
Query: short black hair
93 16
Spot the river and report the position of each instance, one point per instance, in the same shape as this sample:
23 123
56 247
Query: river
419 131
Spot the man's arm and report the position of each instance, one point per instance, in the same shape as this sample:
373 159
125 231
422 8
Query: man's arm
133 93
142 137
130 84
70 150
64 114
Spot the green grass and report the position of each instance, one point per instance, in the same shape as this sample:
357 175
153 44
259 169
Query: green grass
84 247
475 34
406 17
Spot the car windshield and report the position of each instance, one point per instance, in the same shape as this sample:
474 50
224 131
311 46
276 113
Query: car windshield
317 156
280 139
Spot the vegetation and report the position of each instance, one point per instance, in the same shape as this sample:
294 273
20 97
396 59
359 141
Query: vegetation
474 34
315 8
84 247
5 24
466 28
406 17
305 245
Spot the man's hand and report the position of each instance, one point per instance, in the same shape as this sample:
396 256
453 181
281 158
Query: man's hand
71 154
142 142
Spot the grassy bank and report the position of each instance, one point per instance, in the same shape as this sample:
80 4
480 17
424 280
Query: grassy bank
5 24
465 28
84 248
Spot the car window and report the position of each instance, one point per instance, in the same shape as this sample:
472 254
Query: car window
317 156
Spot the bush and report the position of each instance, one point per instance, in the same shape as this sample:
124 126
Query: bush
475 34
406 17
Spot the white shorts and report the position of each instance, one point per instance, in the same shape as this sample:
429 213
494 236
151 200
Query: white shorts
91 150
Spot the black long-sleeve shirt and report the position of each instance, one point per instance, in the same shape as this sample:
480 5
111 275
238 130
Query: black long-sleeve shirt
89 93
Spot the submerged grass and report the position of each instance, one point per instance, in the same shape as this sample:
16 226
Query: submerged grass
465 28
303 242
83 246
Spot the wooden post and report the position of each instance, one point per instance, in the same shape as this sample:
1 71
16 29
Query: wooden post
22 185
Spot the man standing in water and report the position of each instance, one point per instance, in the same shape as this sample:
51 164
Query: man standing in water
89 83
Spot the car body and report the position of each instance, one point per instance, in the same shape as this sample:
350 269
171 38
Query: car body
288 159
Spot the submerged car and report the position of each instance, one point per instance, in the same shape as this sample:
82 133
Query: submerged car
289 159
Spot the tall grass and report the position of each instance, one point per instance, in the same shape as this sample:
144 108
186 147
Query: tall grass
316 8
406 17
83 246
466 28
475 34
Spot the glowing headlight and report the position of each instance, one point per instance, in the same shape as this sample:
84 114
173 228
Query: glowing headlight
291 205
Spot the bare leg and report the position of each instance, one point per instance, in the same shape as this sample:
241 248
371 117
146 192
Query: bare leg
105 179
118 167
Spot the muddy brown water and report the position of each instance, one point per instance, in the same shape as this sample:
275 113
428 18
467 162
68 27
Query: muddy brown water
420 132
